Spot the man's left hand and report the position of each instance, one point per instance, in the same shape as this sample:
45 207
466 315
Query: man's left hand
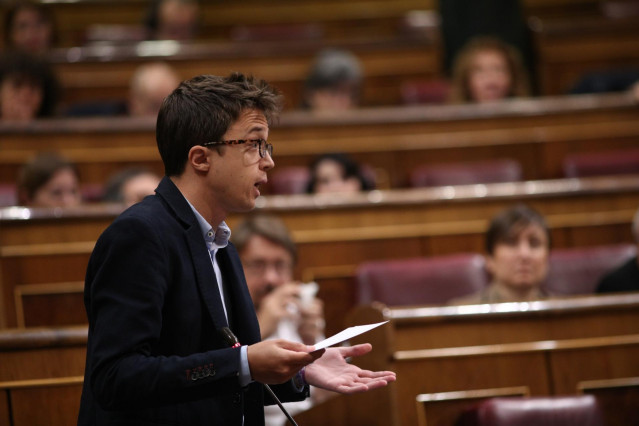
333 373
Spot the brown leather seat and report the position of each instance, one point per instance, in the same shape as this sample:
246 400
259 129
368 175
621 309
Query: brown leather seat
578 410
602 163
432 280
8 196
490 171
289 180
578 270
425 91
277 32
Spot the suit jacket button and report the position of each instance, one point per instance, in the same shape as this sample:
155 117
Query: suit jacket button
237 398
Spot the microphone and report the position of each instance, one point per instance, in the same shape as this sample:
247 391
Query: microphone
229 337
232 340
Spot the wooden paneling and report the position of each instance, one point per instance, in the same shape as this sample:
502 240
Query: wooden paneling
42 281
617 398
572 366
42 353
41 374
40 402
568 49
443 408
5 415
546 346
538 133
97 73
336 19
57 304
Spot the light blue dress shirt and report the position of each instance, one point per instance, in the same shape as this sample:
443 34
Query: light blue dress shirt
214 241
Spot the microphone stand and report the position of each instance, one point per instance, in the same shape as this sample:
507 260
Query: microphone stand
232 340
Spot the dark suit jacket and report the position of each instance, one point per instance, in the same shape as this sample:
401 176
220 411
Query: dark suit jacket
155 355
623 278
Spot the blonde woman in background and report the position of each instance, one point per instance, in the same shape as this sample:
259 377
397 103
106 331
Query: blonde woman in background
488 70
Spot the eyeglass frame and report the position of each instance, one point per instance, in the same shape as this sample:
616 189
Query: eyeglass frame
260 266
263 145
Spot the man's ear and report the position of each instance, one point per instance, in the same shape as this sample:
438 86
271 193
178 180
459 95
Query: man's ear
199 158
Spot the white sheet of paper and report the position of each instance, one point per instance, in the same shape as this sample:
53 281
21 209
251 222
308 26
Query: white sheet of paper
346 334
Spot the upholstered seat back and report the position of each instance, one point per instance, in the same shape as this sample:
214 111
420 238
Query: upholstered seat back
578 270
578 410
492 171
432 280
601 163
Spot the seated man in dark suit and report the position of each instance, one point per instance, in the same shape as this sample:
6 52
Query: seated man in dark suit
626 276
165 292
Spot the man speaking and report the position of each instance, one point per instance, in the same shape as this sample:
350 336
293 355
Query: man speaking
165 289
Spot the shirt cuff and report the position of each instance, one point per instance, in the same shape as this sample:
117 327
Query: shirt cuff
245 370
299 380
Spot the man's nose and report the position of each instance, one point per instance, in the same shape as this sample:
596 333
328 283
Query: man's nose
524 249
271 275
267 162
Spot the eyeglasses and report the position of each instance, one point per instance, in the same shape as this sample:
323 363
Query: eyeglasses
259 144
259 267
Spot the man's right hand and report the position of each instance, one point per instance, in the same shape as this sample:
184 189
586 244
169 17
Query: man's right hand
276 361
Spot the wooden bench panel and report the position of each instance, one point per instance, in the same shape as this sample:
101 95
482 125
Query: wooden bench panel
570 367
99 73
538 133
39 402
5 414
42 353
443 408
535 345
337 19
568 49
333 237
618 399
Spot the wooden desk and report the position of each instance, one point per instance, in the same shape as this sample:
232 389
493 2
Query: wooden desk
41 374
57 401
45 276
336 18
42 353
548 347
536 132
104 72
618 398
568 49
42 281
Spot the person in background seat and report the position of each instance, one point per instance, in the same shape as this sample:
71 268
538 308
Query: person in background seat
518 248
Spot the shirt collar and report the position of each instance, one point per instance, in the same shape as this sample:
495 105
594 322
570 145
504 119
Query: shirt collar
219 239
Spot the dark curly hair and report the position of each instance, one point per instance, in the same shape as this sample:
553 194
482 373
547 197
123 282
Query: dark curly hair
29 69
202 109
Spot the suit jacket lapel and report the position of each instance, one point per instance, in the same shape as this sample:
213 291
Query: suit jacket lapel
204 274
244 323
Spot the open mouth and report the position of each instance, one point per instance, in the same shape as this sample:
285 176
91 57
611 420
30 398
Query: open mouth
257 185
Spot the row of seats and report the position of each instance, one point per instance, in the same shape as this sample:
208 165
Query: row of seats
436 280
573 410
294 179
